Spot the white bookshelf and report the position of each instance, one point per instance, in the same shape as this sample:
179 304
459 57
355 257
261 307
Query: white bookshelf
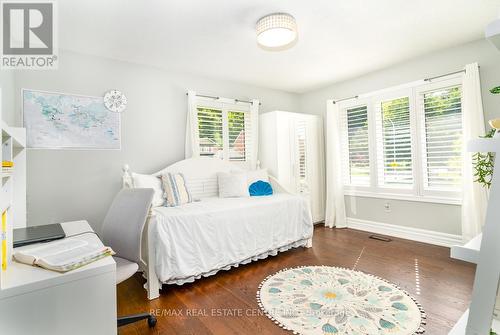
13 185
14 150
484 251
460 326
468 252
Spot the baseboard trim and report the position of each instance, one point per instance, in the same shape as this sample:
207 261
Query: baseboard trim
415 234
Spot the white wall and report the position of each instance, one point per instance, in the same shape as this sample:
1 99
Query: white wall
442 218
69 185
7 87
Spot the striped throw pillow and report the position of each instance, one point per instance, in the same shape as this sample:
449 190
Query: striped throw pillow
175 189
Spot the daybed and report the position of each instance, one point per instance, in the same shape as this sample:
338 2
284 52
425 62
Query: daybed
182 244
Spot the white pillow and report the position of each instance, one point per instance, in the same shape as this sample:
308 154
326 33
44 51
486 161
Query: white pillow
256 175
150 181
232 184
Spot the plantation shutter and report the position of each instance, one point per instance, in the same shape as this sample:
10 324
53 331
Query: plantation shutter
239 133
394 158
225 132
301 131
442 156
210 132
355 143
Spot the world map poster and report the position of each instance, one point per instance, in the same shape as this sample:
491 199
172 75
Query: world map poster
55 120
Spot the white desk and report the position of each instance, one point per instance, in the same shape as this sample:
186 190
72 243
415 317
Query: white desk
42 302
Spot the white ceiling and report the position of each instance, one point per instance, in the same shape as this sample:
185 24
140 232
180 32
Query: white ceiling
338 39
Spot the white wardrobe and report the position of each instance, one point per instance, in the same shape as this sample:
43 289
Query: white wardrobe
291 148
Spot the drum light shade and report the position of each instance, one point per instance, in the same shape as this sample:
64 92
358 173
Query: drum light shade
276 31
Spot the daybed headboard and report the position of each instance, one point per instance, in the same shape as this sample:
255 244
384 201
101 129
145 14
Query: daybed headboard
200 174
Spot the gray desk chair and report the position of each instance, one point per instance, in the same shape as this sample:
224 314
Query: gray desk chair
122 229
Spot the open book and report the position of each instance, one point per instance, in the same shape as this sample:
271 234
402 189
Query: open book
64 255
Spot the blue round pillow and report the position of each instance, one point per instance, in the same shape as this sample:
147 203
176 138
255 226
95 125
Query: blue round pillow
260 188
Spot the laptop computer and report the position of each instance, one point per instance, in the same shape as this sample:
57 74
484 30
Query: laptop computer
37 234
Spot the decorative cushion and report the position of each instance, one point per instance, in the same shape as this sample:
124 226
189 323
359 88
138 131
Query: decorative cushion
232 184
175 188
256 175
260 188
150 181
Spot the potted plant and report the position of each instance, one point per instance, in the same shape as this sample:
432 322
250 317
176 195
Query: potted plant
485 162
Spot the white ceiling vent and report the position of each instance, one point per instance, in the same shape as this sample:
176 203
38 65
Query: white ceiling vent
492 33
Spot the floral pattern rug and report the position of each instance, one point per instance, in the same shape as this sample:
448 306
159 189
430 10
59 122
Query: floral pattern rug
330 300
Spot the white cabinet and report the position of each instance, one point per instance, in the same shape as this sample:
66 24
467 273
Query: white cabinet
483 250
291 148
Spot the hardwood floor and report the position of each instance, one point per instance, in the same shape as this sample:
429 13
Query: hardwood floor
199 308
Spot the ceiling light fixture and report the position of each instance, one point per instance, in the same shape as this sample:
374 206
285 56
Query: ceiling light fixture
276 31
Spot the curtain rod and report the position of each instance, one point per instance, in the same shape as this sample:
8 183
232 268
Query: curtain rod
444 75
426 79
344 99
217 98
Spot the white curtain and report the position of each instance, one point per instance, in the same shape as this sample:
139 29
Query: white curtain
335 207
475 196
254 116
192 148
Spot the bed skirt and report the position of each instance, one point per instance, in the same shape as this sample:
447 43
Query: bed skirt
274 252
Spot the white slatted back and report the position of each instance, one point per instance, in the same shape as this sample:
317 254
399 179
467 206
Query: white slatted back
201 174
203 187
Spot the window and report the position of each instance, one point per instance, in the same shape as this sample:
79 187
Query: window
405 143
210 132
238 143
394 143
224 129
443 139
357 153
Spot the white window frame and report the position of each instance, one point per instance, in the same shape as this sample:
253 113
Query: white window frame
417 192
419 92
379 170
227 105
344 106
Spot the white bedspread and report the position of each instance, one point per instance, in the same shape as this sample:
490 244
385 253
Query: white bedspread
200 238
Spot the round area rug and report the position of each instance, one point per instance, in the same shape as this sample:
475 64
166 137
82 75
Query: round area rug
329 300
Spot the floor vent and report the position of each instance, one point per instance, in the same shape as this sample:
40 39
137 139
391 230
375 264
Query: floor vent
380 238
